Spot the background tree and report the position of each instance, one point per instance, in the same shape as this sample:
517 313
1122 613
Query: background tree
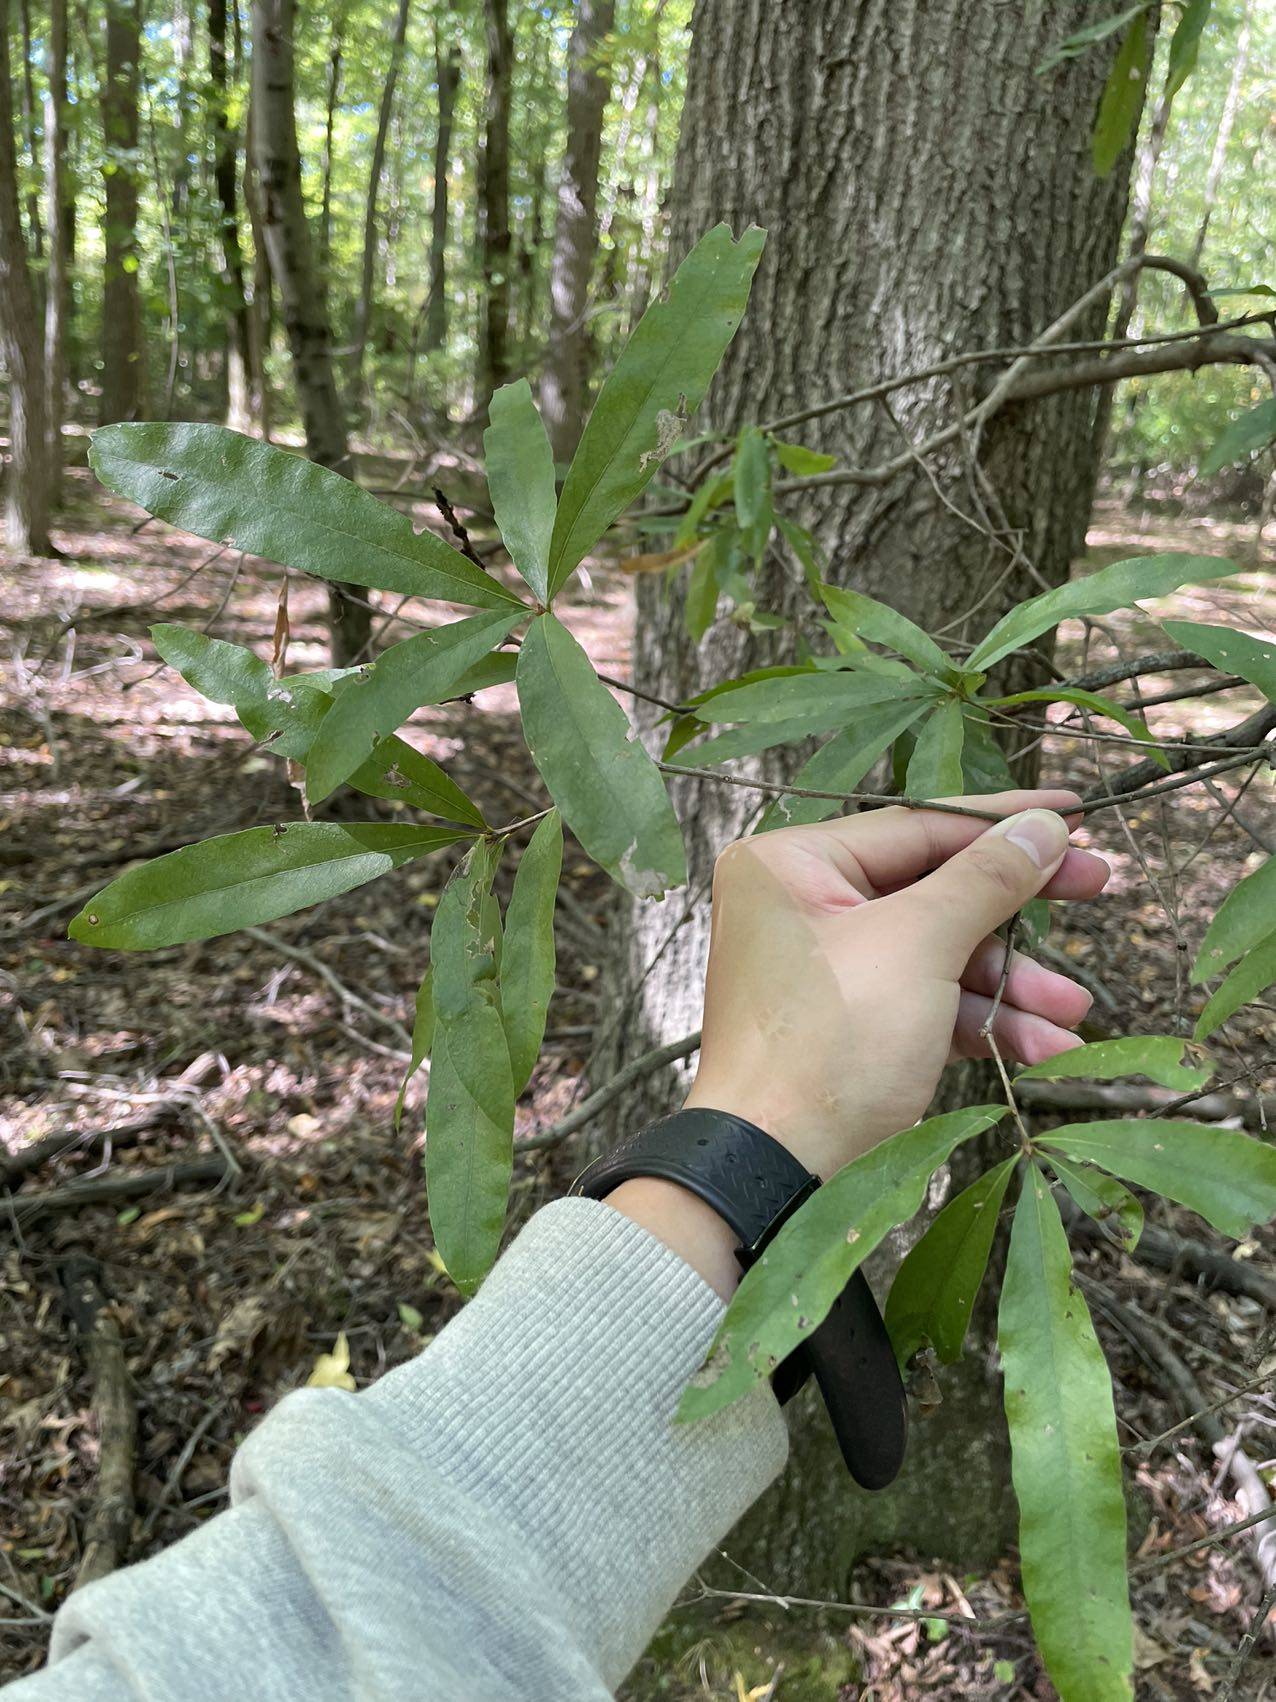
363 301
242 381
57 196
123 354
493 192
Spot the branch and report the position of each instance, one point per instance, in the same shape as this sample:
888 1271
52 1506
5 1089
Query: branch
1255 1113
597 1101
110 1522
132 1186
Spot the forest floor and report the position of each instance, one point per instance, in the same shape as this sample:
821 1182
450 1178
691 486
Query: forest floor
286 1058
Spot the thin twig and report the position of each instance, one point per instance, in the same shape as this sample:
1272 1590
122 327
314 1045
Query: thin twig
589 1108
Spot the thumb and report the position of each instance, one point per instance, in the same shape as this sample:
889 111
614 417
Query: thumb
982 886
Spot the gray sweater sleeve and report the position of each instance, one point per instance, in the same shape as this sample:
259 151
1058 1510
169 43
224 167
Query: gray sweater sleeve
509 1515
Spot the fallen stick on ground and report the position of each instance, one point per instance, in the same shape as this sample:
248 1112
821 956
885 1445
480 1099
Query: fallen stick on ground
16 1166
129 1186
108 1529
1169 1252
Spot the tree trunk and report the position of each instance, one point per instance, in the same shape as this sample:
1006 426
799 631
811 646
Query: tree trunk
58 281
26 485
123 360
305 309
335 51
261 307
566 379
239 384
494 208
363 304
841 127
35 232
448 75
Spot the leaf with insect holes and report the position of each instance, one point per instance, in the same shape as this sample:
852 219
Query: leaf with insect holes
1231 652
1252 976
935 1288
934 769
656 385
792 1287
469 1114
1246 916
1103 1198
239 880
527 969
595 766
520 481
247 495
1227 1177
1065 1461
1113 587
1158 1056
369 706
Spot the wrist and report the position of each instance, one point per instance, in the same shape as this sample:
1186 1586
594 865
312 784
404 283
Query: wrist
686 1225
823 1150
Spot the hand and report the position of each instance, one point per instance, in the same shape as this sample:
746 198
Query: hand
852 960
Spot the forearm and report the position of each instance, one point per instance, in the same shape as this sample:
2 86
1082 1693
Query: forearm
511 1514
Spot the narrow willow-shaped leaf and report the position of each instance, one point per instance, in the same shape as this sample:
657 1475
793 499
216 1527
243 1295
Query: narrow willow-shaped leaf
366 708
1229 1178
802 462
935 1288
1113 587
1246 916
700 601
1122 98
1252 430
866 617
795 1282
1253 975
1156 1055
983 762
422 1037
241 879
1065 1461
810 557
1103 1198
657 384
250 496
841 764
1097 705
1185 45
934 769
469 1115
520 481
1084 39
751 484
823 699
1231 652
527 970
595 766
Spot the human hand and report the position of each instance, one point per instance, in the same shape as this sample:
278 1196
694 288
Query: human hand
850 961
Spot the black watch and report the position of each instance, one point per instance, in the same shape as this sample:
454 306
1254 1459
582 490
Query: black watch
755 1185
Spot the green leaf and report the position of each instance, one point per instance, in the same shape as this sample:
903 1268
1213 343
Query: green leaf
1231 652
1255 429
983 762
1065 1461
1122 98
1097 705
410 1318
935 1288
657 384
520 482
1034 921
241 879
1244 289
250 496
1246 916
841 764
221 672
595 765
700 604
1073 46
398 771
823 700
802 462
1185 45
1253 975
527 972
752 487
878 622
934 769
469 1115
810 557
1103 1198
795 1282
1113 587
709 494
1228 1178
1158 1056
422 1038
366 708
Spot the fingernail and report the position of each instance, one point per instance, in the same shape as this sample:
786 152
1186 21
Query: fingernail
1041 834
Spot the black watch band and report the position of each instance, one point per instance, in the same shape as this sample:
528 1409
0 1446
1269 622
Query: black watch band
755 1185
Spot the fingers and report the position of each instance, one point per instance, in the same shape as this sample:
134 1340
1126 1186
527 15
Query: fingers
1021 1035
1029 986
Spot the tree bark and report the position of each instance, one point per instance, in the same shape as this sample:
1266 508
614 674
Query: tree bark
335 51
447 61
841 127
494 208
305 309
26 483
58 281
363 303
123 358
240 384
565 384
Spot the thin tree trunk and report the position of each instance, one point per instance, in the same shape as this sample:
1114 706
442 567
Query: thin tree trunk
239 386
363 303
26 483
565 384
335 52
305 309
494 208
123 360
1226 123
35 232
448 75
841 129
57 283
261 307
